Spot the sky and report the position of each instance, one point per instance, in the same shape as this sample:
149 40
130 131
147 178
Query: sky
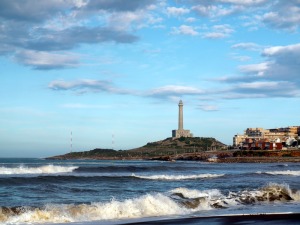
112 72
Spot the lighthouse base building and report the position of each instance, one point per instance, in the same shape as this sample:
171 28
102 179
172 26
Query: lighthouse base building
181 133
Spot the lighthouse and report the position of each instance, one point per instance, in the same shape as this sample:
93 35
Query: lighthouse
181 132
180 115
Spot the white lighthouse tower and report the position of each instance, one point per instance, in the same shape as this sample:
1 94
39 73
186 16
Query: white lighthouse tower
181 132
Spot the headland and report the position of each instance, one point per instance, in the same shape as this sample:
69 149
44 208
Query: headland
187 148
183 146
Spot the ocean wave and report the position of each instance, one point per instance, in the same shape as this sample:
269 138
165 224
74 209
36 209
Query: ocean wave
179 201
281 165
144 206
284 172
189 193
127 168
215 199
48 169
177 177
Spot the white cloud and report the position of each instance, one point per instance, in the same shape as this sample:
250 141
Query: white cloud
204 10
124 20
170 92
209 108
244 2
185 30
284 15
174 90
130 20
174 11
277 76
247 45
215 35
46 60
215 11
45 28
87 85
284 62
242 58
83 106
278 50
260 85
280 14
268 89
258 69
219 31
190 19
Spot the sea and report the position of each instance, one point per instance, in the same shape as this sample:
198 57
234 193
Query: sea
89 192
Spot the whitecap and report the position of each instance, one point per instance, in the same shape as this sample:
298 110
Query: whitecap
47 169
192 193
145 206
177 177
283 172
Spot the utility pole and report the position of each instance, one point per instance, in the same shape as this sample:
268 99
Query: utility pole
71 143
113 141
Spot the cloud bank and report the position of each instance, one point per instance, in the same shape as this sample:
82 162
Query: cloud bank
32 29
56 26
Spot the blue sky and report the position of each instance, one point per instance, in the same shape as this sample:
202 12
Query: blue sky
119 67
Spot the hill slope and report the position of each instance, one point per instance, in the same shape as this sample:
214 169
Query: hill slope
165 147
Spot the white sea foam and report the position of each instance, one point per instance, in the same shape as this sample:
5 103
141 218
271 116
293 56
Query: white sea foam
189 193
284 172
48 169
144 206
178 177
149 205
274 187
215 199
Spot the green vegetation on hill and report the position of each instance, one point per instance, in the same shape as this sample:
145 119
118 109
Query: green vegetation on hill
194 143
95 152
167 147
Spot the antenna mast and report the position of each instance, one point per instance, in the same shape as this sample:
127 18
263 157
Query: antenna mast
71 143
113 141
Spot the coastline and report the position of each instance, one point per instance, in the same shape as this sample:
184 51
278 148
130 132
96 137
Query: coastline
246 159
196 158
259 160
219 156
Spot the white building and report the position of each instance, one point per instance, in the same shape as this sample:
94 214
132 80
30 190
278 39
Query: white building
181 132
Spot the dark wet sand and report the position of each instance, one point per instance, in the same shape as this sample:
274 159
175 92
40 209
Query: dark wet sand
270 219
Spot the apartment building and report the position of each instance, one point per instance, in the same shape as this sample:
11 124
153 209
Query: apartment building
266 138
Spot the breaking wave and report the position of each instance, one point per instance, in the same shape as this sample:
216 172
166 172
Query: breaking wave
284 172
145 206
132 169
48 169
179 201
215 199
178 177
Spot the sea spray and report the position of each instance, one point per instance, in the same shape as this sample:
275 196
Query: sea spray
192 193
195 199
281 192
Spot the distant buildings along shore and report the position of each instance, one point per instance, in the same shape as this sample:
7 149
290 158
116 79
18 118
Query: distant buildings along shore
267 139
